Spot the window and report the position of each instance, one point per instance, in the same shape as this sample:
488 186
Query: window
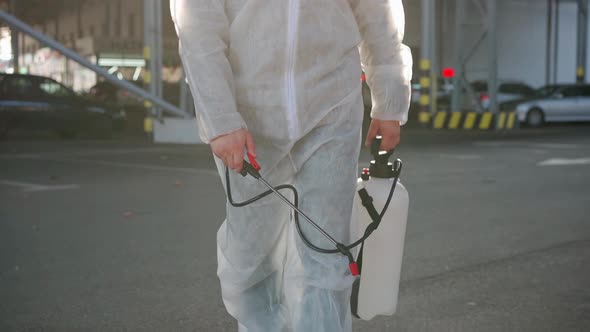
131 22
106 26
586 90
118 18
546 90
16 86
54 89
516 88
106 30
572 91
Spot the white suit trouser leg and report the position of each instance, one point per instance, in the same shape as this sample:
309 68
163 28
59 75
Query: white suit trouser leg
270 280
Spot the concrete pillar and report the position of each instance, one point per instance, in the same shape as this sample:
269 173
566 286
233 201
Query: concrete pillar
582 41
492 56
427 49
14 37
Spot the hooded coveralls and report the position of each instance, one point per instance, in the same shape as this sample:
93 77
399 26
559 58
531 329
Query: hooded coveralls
288 71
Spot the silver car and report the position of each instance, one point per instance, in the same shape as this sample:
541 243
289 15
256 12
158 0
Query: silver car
553 103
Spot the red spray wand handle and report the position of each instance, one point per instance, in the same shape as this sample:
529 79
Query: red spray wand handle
252 167
253 161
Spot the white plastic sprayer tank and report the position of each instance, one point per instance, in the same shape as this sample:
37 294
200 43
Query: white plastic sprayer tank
377 290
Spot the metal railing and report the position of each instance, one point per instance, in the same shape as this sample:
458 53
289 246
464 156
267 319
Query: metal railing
72 55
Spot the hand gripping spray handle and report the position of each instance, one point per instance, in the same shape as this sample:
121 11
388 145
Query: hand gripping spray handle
253 168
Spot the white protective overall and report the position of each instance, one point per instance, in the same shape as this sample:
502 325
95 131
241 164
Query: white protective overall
288 71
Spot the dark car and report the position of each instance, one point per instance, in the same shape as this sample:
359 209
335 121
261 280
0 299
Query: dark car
39 103
507 91
107 93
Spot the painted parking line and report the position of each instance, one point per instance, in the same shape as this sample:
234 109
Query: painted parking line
34 187
564 162
531 145
138 166
557 146
106 163
97 152
460 156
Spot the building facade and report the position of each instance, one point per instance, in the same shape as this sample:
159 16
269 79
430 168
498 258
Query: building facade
109 33
536 39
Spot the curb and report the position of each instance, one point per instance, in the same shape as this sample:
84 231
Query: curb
468 120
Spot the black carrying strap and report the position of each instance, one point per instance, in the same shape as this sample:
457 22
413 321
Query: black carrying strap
354 296
367 202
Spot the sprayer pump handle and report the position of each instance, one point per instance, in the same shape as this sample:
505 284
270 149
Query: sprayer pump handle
376 148
375 145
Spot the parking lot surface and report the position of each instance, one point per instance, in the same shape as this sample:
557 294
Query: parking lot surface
120 235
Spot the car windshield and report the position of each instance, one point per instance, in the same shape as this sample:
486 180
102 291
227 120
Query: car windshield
55 89
546 90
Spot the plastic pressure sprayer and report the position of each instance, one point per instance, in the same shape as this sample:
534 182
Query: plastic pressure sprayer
380 167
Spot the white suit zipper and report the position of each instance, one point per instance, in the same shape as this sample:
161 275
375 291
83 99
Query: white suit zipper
290 95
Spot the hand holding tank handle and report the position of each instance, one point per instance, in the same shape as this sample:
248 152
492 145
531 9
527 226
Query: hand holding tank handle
380 166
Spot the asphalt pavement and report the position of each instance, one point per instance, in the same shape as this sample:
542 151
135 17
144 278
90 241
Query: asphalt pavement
120 235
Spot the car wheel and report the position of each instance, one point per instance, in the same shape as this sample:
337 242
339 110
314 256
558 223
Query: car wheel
535 118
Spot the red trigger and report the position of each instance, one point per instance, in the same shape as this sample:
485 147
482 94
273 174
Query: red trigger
253 162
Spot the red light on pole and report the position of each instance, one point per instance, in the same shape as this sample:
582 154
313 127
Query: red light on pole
448 72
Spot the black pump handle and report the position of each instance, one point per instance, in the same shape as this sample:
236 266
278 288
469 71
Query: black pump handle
376 148
376 145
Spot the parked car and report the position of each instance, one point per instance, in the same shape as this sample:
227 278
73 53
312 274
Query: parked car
41 103
507 91
110 94
553 103
444 87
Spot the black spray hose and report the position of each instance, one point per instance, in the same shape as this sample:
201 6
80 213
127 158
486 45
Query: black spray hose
253 170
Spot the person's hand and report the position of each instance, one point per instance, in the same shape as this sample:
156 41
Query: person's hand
389 130
230 148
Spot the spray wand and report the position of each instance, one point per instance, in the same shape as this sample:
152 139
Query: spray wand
252 168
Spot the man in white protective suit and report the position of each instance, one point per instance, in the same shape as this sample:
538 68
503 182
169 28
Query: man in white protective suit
280 79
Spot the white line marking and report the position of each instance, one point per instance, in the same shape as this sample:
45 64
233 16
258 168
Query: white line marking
556 146
531 145
33 187
163 150
142 166
564 162
121 165
24 185
97 152
461 156
53 188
